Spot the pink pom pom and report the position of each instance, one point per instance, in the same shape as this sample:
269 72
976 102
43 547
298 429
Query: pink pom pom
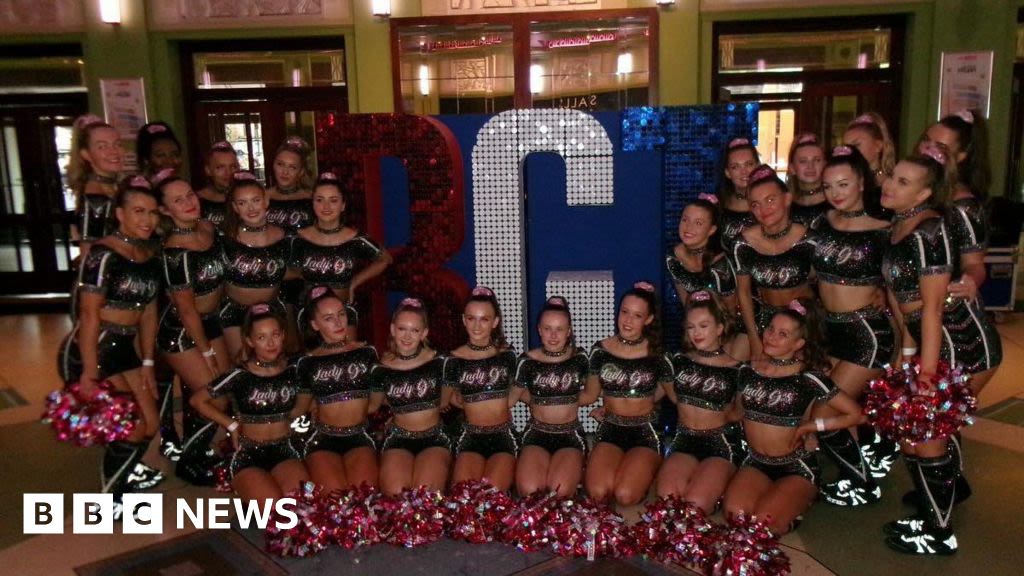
413 518
672 530
311 535
745 546
588 529
354 516
104 417
475 511
526 525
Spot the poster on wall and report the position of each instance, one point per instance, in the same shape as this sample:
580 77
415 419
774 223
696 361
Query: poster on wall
966 82
124 108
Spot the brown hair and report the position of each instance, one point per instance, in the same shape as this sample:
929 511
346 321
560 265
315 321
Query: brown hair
802 140
297 146
78 168
814 354
651 331
726 189
239 180
254 314
416 306
974 171
483 294
718 310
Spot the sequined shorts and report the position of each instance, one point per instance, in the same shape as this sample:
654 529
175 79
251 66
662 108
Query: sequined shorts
488 440
115 352
863 337
265 455
725 442
554 437
172 338
232 314
628 432
968 336
338 440
416 441
798 463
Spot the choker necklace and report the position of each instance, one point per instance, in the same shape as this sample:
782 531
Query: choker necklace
219 190
261 364
710 353
739 195
108 180
907 214
334 345
551 354
812 191
783 363
253 229
476 348
184 231
777 235
287 191
129 240
698 252
628 342
852 213
334 230
410 356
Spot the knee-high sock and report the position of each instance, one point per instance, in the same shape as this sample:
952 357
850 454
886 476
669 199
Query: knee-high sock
840 445
936 479
119 460
168 431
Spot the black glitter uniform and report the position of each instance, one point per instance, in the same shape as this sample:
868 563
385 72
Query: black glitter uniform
710 388
553 384
260 400
731 224
864 337
333 266
807 214
96 217
783 401
968 338
335 378
291 215
717 277
214 212
479 381
412 391
628 378
786 270
126 285
202 272
251 267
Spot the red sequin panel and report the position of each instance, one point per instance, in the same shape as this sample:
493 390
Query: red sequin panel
352 145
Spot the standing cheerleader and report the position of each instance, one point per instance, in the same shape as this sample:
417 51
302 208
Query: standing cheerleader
265 395
629 368
708 446
869 134
340 453
806 161
553 380
778 480
96 159
157 149
740 160
410 376
118 284
480 372
774 258
848 248
190 337
255 257
220 168
290 194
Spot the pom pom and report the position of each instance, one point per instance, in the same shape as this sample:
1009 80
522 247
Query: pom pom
104 417
413 518
526 525
673 530
475 510
745 546
588 529
311 535
897 408
354 516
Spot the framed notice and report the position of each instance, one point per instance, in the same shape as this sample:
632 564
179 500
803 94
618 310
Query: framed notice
124 108
965 82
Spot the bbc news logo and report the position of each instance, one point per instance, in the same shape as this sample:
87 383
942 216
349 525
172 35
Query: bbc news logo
144 513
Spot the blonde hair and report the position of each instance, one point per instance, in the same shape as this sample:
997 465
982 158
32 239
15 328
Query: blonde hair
874 124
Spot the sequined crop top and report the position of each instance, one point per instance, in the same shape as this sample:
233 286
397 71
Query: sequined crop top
259 399
731 224
782 401
96 217
703 386
806 215
255 267
967 224
482 379
781 271
125 284
338 377
628 377
924 252
717 277
214 212
410 390
553 383
332 265
200 270
850 258
291 214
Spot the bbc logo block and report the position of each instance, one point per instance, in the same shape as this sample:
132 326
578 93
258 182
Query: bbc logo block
92 514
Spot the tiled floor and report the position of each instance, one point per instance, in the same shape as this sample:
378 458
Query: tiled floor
830 541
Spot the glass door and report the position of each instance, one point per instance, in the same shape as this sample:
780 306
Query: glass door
828 107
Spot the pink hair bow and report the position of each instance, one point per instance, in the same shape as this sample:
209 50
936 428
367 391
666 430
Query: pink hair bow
934 153
701 296
807 139
965 115
863 119
223 146
840 151
764 171
259 308
318 292
411 303
644 286
243 176
156 128
797 307
707 197
737 142
483 291
329 176
140 182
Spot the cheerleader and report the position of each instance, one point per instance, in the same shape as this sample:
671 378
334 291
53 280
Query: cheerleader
629 368
806 160
118 284
190 338
869 134
553 380
740 159
220 167
96 159
708 445
410 377
256 257
157 149
778 479
848 248
698 264
480 372
774 257
340 453
290 194
265 395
